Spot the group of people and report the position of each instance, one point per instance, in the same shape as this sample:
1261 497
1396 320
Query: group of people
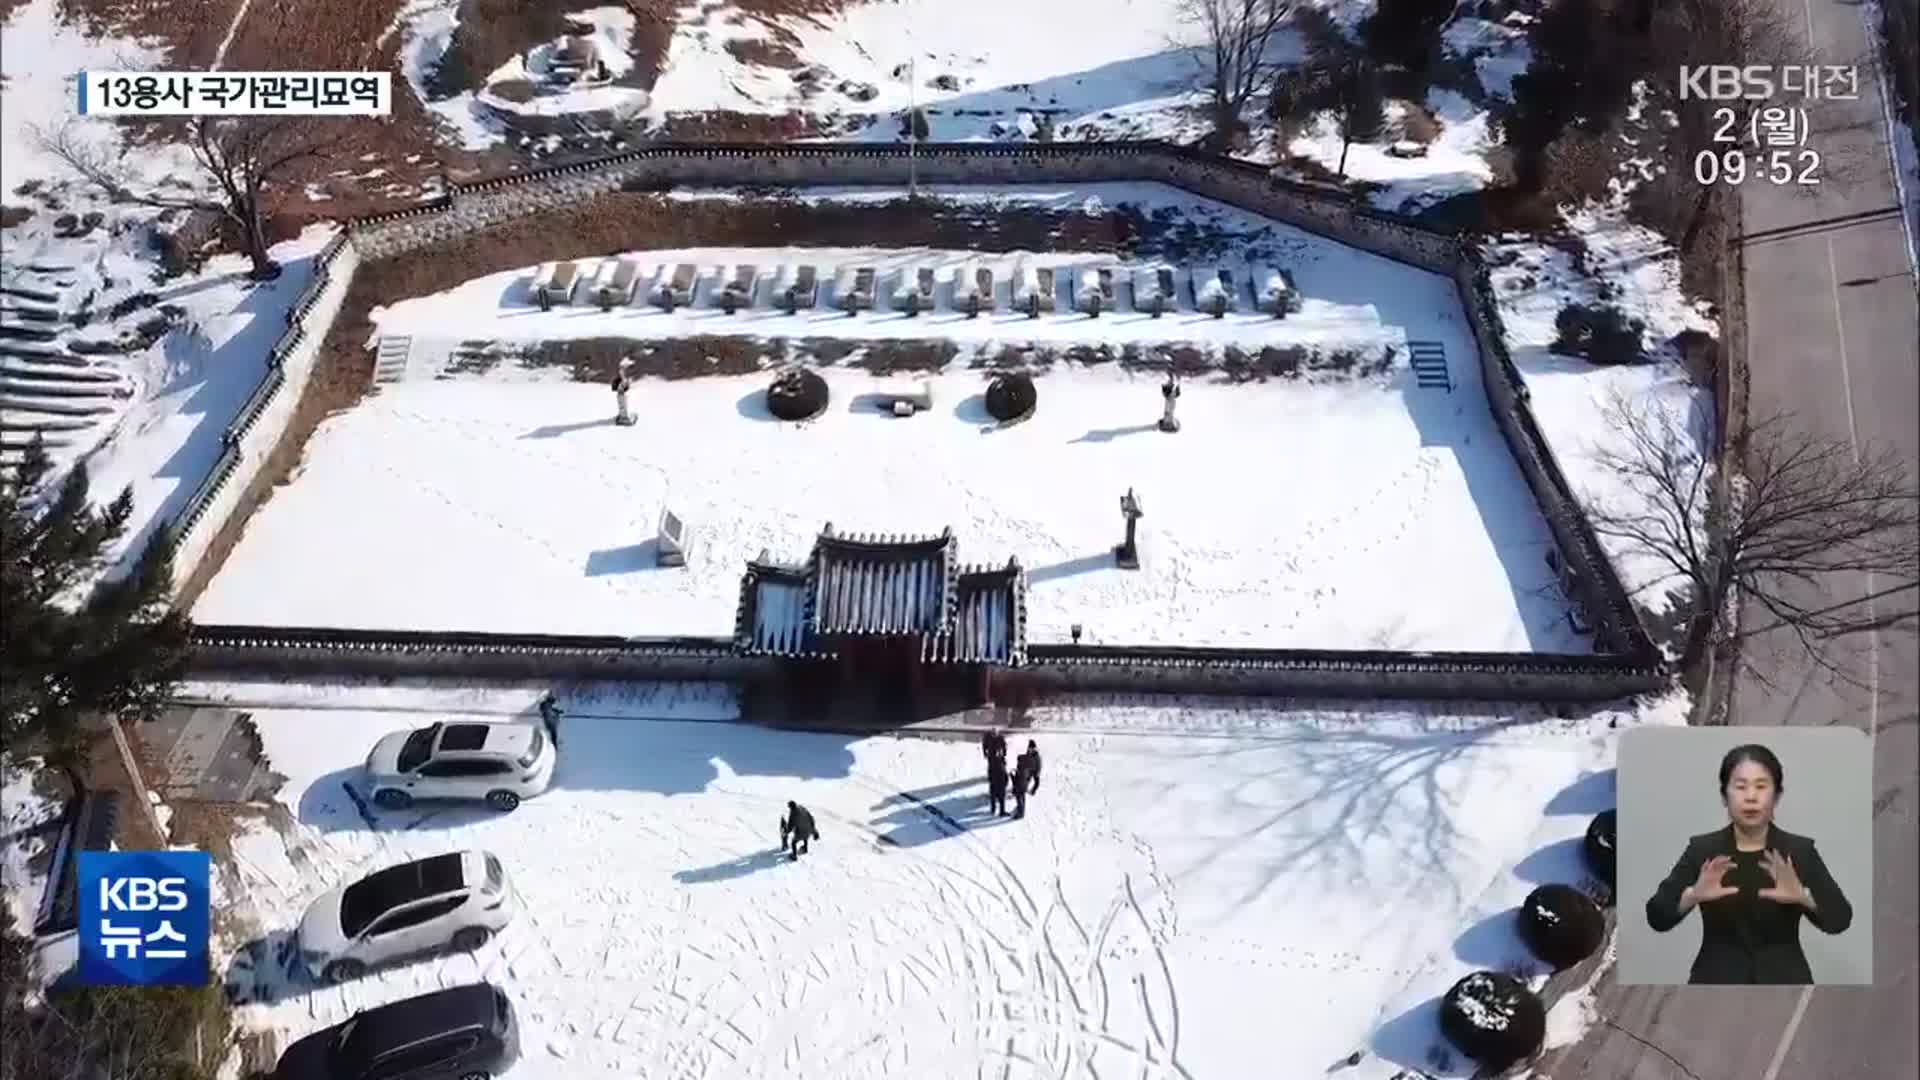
798 829
1026 774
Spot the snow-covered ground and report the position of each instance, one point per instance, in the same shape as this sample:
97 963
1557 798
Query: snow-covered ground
473 117
1076 69
29 829
40 55
1118 64
1301 884
1383 516
151 418
1454 162
1572 398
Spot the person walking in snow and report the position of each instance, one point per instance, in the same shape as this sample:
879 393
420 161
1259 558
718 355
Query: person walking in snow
993 744
550 713
997 784
796 829
1026 778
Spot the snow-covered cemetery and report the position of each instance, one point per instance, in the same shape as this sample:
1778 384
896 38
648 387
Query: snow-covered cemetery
654 448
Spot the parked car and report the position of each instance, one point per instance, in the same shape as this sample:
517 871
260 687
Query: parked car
456 901
461 1033
501 763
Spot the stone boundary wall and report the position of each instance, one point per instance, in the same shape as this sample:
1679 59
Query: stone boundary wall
1590 576
1630 663
1326 211
257 428
296 653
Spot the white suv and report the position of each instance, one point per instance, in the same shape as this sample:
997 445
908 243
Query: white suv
458 900
501 763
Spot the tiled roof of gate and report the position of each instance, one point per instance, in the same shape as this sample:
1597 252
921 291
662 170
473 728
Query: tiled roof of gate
883 586
990 618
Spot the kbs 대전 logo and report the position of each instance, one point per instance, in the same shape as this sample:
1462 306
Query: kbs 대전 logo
143 918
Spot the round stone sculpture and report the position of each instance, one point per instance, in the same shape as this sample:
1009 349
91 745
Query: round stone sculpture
1493 1019
1561 925
1598 846
797 394
1011 396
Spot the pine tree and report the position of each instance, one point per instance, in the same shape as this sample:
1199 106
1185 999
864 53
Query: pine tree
1581 77
1405 33
75 643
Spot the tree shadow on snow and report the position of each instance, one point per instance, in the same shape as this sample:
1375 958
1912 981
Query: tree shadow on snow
753 406
1592 793
1559 862
1413 1041
1360 789
973 410
733 868
1492 943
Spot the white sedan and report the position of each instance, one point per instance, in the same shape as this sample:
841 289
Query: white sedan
456 901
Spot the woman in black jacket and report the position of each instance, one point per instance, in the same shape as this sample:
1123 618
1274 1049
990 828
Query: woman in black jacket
1753 882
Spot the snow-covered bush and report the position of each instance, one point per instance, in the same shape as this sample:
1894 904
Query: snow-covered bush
1561 925
1011 396
1493 1019
797 394
1598 846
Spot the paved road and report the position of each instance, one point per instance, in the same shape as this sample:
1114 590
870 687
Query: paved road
1831 335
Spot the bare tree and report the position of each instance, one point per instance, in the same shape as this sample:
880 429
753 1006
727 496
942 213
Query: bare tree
1235 36
245 159
1806 514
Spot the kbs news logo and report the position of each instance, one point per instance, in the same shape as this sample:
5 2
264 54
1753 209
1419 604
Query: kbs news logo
143 918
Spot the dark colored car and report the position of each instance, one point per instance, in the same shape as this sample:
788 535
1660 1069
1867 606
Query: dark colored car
463 1033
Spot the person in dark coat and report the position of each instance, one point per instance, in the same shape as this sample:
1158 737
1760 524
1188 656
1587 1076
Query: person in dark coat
1753 883
997 784
993 744
796 829
550 713
1026 778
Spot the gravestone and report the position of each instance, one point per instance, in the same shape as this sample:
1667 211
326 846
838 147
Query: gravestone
674 543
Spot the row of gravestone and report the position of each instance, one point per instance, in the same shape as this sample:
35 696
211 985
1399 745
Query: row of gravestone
1491 1016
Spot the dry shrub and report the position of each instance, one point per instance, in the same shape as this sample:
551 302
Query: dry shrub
1578 167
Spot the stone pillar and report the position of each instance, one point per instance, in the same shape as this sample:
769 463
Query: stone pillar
621 384
1169 394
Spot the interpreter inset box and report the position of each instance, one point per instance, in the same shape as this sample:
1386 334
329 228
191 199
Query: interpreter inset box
1745 856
